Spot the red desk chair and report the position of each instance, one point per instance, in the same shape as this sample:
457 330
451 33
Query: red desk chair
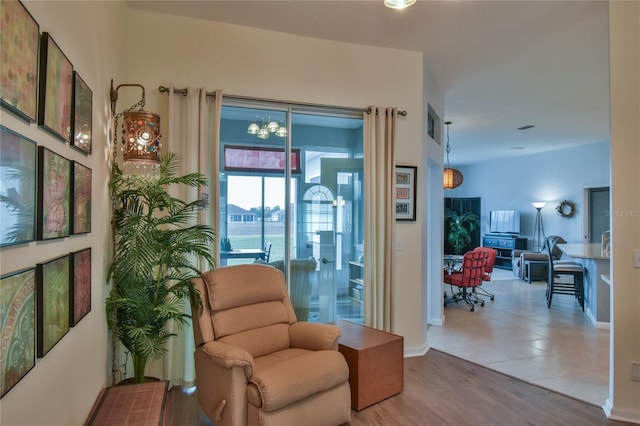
488 270
469 277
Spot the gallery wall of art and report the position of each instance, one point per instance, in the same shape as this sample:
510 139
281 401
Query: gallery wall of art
57 61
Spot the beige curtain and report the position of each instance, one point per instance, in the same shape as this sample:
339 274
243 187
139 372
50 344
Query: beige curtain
379 172
192 132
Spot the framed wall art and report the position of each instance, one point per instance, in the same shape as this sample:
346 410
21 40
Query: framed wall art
82 111
19 60
52 299
17 188
406 192
56 89
81 199
54 189
80 300
17 305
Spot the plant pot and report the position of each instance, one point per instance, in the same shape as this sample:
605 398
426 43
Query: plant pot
132 380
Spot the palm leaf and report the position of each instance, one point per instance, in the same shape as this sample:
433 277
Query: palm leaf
158 251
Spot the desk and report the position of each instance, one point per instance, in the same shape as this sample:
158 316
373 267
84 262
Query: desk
376 363
241 254
596 290
451 260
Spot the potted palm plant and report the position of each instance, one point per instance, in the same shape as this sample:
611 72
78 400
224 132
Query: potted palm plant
460 227
158 249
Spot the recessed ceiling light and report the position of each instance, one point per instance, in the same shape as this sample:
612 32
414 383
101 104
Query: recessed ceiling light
398 4
528 126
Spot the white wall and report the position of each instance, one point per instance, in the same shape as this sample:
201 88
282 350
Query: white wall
191 52
549 176
61 388
624 23
431 195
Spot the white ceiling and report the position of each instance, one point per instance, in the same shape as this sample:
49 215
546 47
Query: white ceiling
503 64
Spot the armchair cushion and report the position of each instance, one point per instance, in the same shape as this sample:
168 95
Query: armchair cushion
304 373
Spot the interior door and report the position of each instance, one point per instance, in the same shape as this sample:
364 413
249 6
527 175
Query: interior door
599 220
331 216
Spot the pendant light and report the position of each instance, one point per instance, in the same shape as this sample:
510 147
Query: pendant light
452 177
268 126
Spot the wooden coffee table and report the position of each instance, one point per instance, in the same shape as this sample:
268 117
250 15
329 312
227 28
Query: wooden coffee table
376 363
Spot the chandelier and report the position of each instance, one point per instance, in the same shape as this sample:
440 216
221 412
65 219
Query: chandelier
268 126
452 177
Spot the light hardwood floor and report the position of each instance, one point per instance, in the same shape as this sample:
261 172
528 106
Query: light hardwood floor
514 336
440 389
557 348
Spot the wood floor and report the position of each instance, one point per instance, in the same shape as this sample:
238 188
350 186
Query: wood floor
441 389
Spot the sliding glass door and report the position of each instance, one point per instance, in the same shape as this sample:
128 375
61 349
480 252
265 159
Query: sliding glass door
299 192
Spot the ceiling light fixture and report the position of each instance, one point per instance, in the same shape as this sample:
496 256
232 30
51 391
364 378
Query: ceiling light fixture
398 4
452 177
268 126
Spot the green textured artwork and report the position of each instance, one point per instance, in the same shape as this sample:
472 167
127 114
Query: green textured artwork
17 316
53 279
54 189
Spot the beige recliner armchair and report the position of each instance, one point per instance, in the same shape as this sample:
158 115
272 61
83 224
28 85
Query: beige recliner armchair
255 363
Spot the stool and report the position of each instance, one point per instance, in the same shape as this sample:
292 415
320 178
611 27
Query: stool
575 288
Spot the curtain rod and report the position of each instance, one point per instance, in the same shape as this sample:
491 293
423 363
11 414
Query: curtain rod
184 92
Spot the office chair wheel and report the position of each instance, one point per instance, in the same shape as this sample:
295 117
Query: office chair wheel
492 297
473 308
482 304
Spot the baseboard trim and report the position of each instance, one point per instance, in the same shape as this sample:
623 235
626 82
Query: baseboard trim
417 351
631 416
597 324
435 321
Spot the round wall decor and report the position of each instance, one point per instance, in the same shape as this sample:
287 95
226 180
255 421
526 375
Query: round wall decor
566 209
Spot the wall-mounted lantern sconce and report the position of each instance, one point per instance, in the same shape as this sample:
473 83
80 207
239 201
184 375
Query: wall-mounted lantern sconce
140 135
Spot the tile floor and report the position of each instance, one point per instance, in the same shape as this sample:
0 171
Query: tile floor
556 348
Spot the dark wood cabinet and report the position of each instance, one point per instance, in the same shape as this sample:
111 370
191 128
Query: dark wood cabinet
505 245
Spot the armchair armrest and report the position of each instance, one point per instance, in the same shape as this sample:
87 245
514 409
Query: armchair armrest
223 372
314 336
534 256
228 356
516 253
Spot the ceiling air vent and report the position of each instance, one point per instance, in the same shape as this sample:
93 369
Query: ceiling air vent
528 126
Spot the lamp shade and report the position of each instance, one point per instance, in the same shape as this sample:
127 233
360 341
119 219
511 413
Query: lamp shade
452 178
141 135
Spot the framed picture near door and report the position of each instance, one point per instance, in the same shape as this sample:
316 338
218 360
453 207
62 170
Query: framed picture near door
405 190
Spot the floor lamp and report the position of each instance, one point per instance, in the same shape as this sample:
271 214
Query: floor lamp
538 229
